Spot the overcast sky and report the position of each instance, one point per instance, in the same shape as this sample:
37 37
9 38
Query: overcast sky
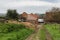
29 6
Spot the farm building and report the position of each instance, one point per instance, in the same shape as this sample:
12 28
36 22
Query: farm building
3 20
33 18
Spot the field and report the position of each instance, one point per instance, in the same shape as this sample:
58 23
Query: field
10 31
54 30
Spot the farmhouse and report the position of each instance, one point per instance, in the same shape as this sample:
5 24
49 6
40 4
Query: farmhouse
33 18
3 20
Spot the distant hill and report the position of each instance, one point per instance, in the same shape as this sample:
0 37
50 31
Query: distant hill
41 15
2 14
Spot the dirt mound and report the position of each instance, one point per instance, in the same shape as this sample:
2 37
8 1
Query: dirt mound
29 25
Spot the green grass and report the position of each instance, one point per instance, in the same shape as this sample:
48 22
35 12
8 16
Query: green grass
54 30
14 32
42 34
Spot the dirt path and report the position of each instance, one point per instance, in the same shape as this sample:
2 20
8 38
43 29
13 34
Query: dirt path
35 36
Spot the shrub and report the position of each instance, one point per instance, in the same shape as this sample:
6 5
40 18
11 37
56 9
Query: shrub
10 27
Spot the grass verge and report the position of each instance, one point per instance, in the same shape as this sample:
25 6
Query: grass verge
42 34
54 30
14 32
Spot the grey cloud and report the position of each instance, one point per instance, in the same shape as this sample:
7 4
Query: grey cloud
29 9
53 1
33 9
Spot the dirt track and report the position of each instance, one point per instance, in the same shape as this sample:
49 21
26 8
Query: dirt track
36 35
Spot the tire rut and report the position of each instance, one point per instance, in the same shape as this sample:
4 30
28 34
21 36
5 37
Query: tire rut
48 36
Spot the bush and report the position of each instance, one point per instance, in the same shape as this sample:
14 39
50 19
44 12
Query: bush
4 28
54 30
17 35
14 31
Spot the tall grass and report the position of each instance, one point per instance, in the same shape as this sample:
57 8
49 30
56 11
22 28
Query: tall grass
14 31
4 28
54 30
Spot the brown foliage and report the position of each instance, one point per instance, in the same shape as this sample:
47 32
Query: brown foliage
53 15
